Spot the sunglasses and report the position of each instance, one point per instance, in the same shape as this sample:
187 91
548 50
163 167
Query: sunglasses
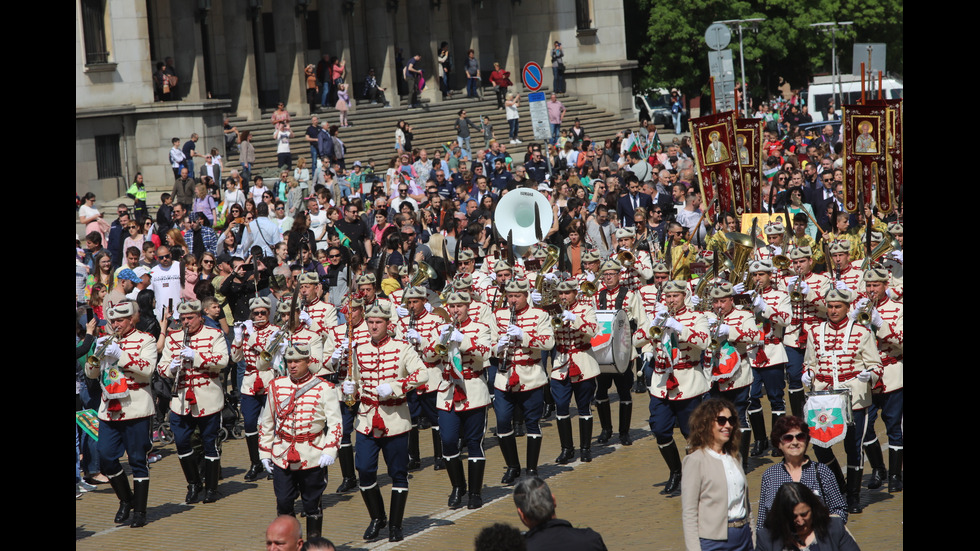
164 256
207 262
787 438
721 420
333 256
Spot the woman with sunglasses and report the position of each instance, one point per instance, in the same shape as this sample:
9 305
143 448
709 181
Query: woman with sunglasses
714 493
791 436
800 520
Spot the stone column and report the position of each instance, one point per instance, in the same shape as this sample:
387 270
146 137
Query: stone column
290 60
188 53
240 59
381 54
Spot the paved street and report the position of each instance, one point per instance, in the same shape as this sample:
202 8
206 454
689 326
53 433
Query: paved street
617 495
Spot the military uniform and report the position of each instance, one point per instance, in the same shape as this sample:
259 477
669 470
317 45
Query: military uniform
299 437
811 310
520 378
126 412
199 398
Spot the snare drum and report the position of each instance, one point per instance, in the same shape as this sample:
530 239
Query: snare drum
613 343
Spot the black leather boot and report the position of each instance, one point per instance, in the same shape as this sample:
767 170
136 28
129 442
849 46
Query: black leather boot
757 420
585 435
895 482
625 418
878 471
854 490
189 465
454 467
398 501
533 453
346 458
565 436
256 468
376 508
519 428
440 461
475 471
414 461
314 525
796 400
508 447
212 469
775 449
743 448
605 422
673 459
141 490
120 484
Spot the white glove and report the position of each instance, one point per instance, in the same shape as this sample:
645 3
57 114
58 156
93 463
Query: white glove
891 294
456 337
502 343
550 276
337 354
428 307
804 288
695 300
445 329
249 326
898 255
857 308
349 387
790 281
648 356
174 365
515 331
876 318
535 297
841 286
807 378
758 303
776 249
267 463
401 311
326 460
738 288
239 332
658 318
675 325
723 331
305 318
864 376
113 351
569 316
589 276
384 390
187 352
413 336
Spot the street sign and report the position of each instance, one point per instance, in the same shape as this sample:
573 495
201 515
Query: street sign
539 116
531 75
717 36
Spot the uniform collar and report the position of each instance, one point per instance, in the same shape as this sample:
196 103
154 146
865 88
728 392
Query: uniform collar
303 379
383 342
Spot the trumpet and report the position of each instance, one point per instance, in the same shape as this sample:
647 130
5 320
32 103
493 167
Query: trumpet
657 331
588 288
96 358
625 257
442 347
863 317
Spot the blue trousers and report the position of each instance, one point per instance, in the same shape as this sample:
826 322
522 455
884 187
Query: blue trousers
892 407
664 414
472 85
531 401
794 367
774 379
251 410
395 450
129 435
852 443
325 86
555 132
347 415
624 382
739 539
470 424
464 144
739 397
423 405
514 124
183 428
309 484
584 392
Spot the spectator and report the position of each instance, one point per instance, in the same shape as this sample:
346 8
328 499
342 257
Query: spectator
472 70
284 158
536 508
511 105
190 151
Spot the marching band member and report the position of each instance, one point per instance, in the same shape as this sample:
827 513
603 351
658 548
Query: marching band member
844 273
251 338
198 400
466 266
812 309
299 330
387 369
731 382
614 295
478 310
463 398
299 436
323 313
768 360
126 410
803 239
678 386
495 295
637 274
574 371
367 286
524 332
682 253
842 354
887 320
337 353
590 273
420 327
775 235
403 276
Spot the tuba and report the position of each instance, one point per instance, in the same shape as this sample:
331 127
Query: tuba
515 213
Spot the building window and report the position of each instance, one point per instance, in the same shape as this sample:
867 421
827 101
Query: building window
107 156
93 29
312 30
268 33
583 14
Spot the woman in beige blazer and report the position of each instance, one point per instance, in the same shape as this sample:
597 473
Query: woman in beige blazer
714 494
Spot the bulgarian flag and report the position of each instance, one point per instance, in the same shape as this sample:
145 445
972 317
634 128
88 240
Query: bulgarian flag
825 417
724 366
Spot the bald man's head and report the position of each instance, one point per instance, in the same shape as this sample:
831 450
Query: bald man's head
284 534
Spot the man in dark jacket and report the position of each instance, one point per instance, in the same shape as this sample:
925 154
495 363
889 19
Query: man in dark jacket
536 507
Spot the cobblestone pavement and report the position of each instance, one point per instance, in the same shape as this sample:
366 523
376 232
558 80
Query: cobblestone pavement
617 494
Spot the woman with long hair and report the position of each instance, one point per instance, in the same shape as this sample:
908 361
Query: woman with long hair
799 520
175 239
134 236
148 229
91 217
204 202
209 264
300 229
714 493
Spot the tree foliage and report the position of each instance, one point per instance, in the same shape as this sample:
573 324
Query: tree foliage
784 46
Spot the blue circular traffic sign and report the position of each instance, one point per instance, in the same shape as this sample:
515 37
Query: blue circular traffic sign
531 75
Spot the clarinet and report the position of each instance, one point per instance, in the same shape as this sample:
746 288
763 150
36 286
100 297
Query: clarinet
506 359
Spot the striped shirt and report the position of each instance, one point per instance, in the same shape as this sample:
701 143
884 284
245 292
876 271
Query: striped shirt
816 476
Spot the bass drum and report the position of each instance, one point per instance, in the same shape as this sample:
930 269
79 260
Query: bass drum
613 343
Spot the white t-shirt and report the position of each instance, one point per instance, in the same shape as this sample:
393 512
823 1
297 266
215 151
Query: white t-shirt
317 221
257 194
511 111
86 211
233 197
166 285
283 140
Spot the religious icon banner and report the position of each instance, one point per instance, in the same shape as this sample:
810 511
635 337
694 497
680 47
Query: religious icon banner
867 178
894 137
748 147
716 160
